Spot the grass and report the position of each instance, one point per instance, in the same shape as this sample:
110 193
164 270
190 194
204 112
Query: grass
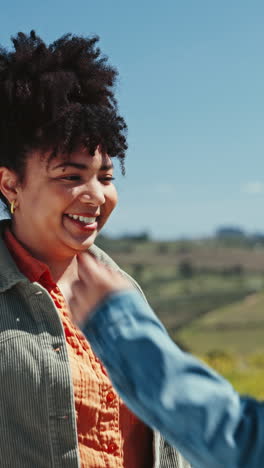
246 374
238 328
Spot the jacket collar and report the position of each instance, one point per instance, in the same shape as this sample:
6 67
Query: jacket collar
9 273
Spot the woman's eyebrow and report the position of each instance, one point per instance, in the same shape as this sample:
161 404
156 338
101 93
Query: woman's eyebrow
71 164
105 165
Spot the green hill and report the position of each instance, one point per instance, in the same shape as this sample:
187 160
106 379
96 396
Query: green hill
237 328
189 283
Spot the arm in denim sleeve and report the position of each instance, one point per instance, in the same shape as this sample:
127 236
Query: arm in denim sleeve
191 405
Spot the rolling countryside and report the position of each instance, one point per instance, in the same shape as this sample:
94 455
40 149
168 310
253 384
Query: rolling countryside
209 293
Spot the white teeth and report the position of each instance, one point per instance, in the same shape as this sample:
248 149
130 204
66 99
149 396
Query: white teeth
83 219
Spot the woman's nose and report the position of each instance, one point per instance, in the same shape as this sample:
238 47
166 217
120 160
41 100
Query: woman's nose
93 194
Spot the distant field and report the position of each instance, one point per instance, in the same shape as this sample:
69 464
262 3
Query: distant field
203 254
209 296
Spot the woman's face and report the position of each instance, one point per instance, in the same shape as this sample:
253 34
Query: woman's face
62 205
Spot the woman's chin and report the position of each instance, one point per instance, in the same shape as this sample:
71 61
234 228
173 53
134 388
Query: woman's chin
82 244
79 237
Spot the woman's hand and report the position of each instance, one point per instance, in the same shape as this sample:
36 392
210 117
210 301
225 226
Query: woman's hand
95 282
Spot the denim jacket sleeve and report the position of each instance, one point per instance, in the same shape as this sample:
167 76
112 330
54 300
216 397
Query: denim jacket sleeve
193 407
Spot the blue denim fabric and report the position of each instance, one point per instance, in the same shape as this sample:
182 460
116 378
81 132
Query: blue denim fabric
193 407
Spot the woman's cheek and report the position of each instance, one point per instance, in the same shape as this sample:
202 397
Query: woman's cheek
114 197
111 199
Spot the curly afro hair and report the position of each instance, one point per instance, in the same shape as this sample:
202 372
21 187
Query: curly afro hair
57 97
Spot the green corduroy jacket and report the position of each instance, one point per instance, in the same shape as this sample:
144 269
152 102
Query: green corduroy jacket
37 411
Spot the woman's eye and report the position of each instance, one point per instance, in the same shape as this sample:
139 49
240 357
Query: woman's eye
107 179
71 177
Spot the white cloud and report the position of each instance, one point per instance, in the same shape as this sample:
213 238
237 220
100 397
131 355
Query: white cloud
254 187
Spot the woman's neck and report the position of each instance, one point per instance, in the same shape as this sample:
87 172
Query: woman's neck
63 271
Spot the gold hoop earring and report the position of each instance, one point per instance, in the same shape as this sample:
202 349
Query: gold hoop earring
13 206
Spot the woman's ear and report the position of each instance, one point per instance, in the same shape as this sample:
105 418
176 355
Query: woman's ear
8 183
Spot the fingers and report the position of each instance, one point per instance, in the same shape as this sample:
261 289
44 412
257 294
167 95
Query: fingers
97 275
91 270
87 265
95 282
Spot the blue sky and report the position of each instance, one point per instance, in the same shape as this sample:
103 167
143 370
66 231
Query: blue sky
191 88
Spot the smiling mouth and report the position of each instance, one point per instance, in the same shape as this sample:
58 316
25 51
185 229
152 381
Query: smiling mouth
82 219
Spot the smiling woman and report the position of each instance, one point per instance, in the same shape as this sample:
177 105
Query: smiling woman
59 130
65 203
